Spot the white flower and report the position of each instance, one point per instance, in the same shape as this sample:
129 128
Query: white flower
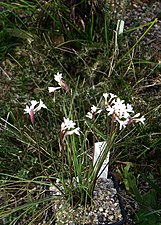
66 127
32 110
119 103
52 89
89 115
137 120
119 108
32 107
142 119
93 109
105 95
110 110
122 123
58 77
67 124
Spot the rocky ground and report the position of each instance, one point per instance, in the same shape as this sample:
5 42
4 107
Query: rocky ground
140 13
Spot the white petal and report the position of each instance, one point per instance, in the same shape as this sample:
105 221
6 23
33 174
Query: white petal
110 110
105 95
112 95
41 105
75 131
136 115
33 104
141 120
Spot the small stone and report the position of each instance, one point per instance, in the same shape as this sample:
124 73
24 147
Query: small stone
101 209
111 217
116 204
106 211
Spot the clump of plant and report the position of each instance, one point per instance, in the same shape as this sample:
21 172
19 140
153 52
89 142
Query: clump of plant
75 170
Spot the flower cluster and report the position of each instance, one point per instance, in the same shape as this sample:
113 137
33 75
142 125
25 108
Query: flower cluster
114 106
118 110
67 126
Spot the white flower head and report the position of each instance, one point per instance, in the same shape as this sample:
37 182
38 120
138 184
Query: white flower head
112 96
93 109
32 107
141 120
52 89
67 124
110 110
105 95
117 110
89 115
31 110
68 128
58 77
122 123
138 120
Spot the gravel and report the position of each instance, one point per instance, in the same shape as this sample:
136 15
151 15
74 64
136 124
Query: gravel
139 13
104 209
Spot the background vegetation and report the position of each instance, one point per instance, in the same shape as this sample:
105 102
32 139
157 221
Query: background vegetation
77 38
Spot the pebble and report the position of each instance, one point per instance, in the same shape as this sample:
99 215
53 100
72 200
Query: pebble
101 209
111 218
106 207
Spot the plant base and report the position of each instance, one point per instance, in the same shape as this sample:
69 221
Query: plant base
107 207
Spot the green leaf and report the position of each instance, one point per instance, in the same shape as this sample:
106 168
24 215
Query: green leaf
144 218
